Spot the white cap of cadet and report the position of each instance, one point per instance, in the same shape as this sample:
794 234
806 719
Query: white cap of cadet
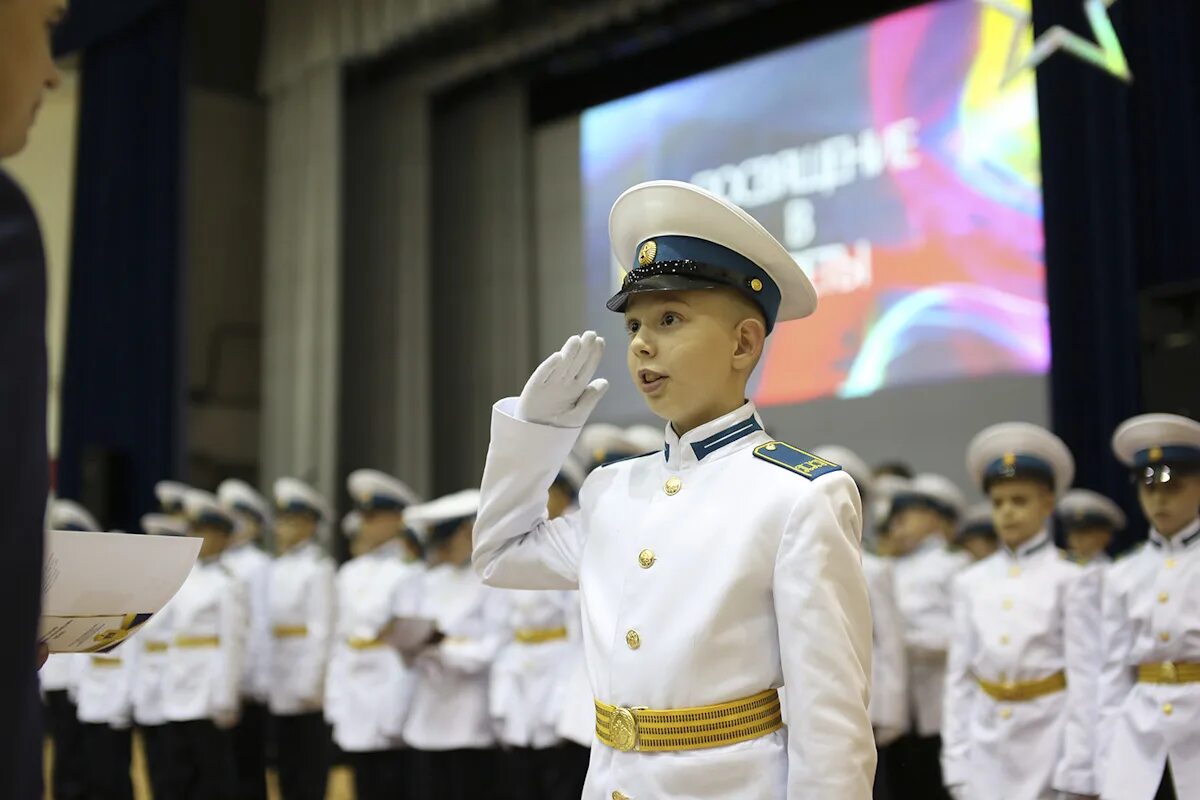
1020 450
674 236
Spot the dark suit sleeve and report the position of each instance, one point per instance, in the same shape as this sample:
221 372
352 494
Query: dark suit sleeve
24 478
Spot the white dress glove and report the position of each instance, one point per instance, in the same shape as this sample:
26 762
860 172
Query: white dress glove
561 391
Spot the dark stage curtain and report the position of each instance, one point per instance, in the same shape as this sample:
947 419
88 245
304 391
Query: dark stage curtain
1122 192
122 395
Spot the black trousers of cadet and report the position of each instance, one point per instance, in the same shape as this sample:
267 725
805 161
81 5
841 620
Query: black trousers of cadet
573 762
550 773
916 769
303 758
156 745
1166 790
249 749
454 774
69 781
379 775
106 755
200 761
883 773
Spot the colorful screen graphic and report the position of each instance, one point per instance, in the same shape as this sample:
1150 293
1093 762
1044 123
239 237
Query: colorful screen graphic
892 163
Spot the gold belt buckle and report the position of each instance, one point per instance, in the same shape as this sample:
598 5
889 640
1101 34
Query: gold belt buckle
624 728
1169 672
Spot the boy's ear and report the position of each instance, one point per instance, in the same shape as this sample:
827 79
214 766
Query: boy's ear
750 337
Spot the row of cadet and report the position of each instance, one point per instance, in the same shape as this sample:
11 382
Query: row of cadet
1003 667
263 660
1007 669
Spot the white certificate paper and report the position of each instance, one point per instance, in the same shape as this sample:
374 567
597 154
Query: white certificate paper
99 588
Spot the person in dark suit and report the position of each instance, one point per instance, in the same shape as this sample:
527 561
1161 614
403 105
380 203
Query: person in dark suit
26 71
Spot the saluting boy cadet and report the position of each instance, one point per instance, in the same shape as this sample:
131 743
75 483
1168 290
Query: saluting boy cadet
153 644
1091 521
977 533
1150 628
1024 656
301 614
252 567
201 697
714 570
368 685
923 517
449 724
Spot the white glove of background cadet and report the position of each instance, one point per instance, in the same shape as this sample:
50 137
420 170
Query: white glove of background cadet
561 391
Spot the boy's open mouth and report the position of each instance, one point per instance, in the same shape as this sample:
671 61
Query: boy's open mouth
650 381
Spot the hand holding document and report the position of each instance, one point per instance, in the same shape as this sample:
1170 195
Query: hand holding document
410 634
99 588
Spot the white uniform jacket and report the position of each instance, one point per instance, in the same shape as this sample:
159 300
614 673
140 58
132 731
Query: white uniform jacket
923 584
449 709
1022 617
301 615
368 686
889 667
1151 615
208 635
707 575
530 672
253 568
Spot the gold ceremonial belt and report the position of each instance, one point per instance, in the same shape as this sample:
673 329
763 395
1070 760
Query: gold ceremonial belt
197 641
539 635
362 643
1168 672
289 631
156 647
1023 691
649 730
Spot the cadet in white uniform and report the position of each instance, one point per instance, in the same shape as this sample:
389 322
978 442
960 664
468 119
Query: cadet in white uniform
889 685
104 703
715 569
301 612
527 683
201 697
448 723
252 567
1091 521
368 686
152 646
59 676
924 515
1024 658
103 697
1150 631
977 533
